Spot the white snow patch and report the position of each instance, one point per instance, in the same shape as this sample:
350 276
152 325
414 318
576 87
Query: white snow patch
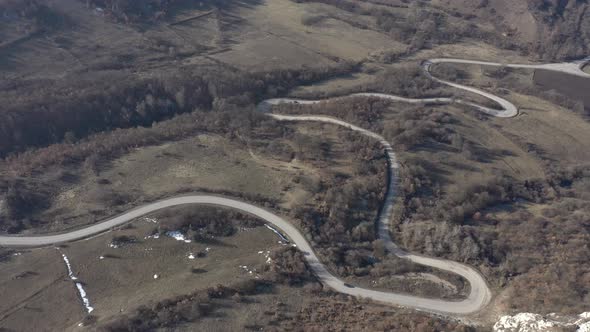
17 254
81 290
70 273
152 220
156 276
529 322
191 256
89 308
267 256
178 236
101 257
277 232
207 249
113 246
154 236
248 270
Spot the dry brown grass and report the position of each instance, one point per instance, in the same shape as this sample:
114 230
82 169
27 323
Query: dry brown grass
39 295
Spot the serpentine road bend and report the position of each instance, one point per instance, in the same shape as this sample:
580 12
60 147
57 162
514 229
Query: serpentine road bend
507 110
480 294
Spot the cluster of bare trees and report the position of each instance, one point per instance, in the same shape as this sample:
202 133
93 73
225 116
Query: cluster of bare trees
20 199
562 24
419 26
289 267
565 29
41 115
204 222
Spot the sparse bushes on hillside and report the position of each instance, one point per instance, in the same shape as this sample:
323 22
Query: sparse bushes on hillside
288 266
408 81
309 19
181 309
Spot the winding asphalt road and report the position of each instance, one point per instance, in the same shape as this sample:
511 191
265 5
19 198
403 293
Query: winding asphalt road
508 109
480 294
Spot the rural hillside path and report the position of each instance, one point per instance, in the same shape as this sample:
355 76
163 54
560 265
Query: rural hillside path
480 294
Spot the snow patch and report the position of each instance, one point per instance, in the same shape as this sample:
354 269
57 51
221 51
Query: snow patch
81 290
247 269
530 322
70 273
178 236
85 299
151 220
154 236
277 232
191 256
156 276
266 255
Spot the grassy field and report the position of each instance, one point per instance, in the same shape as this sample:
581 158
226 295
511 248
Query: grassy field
205 162
208 163
275 36
124 278
248 35
573 87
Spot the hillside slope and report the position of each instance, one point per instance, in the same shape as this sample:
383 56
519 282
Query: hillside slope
553 29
